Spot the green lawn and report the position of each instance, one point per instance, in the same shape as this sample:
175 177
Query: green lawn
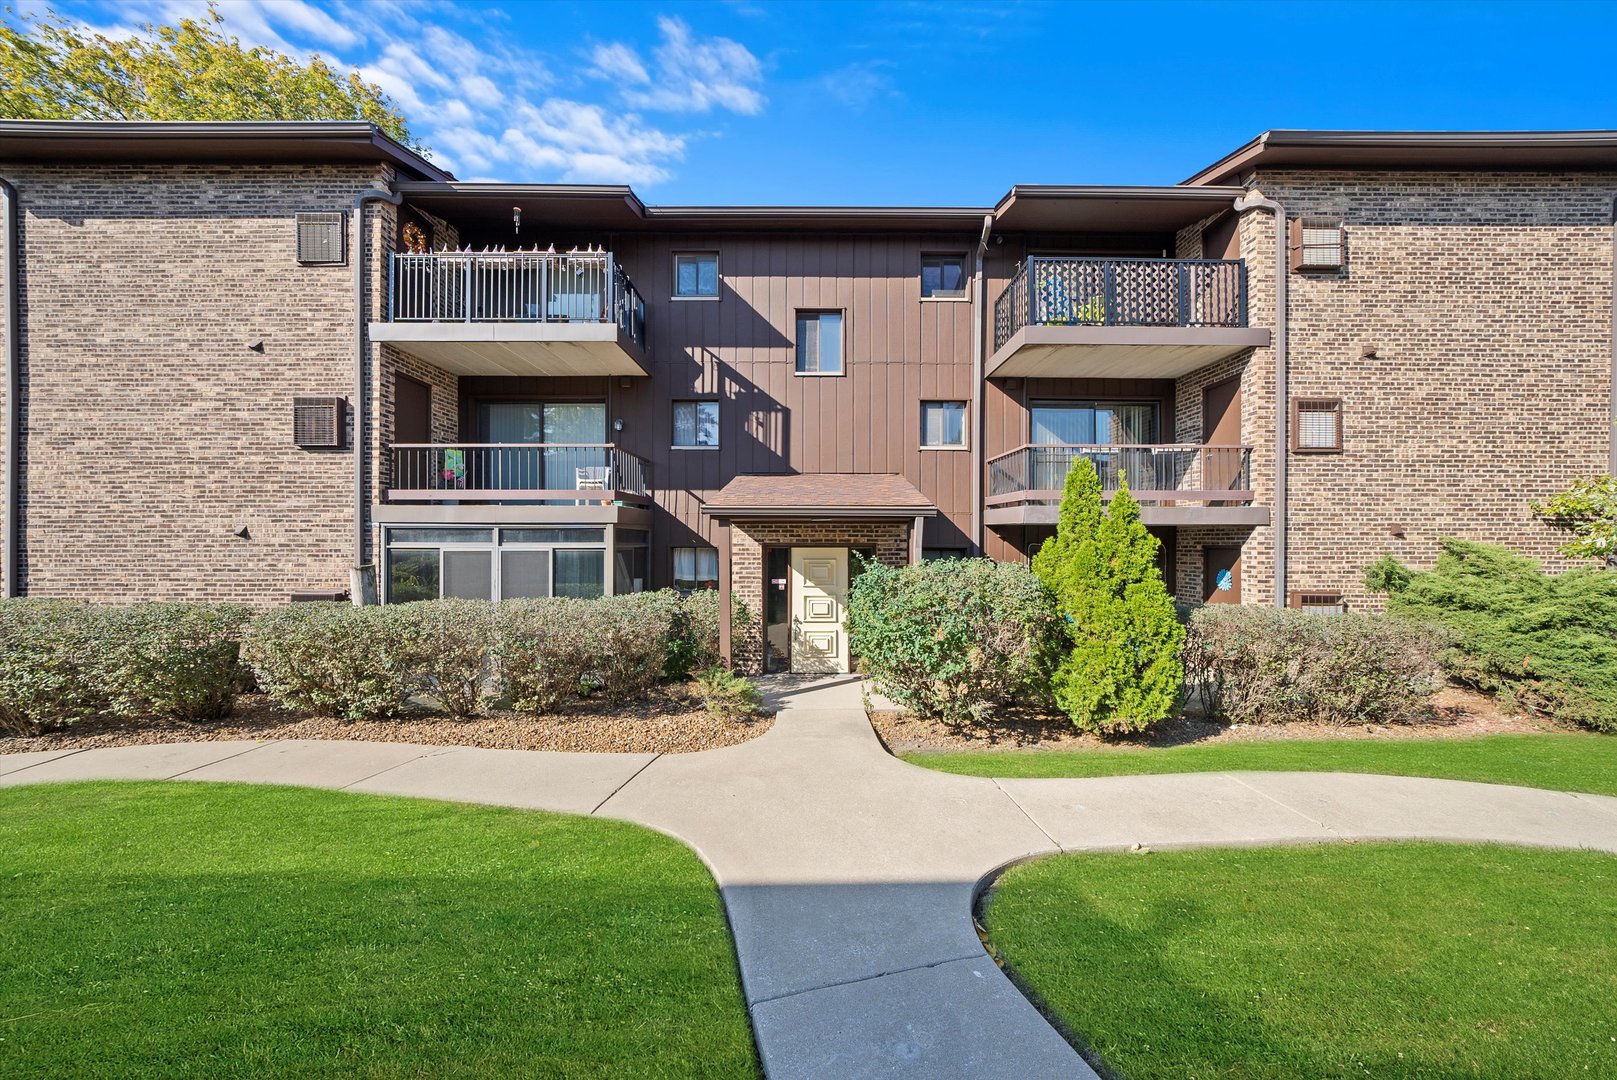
1384 960
1563 761
191 930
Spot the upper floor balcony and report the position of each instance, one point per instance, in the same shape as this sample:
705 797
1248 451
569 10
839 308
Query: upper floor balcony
1062 317
1175 484
573 474
515 313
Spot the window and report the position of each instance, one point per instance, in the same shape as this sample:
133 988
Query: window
1320 603
931 554
428 562
819 343
1092 423
696 568
1316 425
943 423
696 275
1317 244
696 424
580 572
943 277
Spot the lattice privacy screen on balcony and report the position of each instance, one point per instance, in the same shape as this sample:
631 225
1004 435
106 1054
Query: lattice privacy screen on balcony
1317 424
317 422
1317 243
320 238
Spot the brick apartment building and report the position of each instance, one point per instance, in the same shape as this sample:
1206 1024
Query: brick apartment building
244 359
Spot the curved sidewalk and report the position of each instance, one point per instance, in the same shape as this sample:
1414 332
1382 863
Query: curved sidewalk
849 876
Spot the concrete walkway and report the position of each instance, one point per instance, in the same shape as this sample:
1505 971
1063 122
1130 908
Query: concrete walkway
849 876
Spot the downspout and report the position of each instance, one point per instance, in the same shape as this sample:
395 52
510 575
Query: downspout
1282 402
361 405
979 310
10 439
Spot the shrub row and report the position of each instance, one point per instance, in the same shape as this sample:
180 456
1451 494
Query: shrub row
956 638
61 661
1544 642
1253 665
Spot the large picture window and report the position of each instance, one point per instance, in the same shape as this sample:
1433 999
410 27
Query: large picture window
489 564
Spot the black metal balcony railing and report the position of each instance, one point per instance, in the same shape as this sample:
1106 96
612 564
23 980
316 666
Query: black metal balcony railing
1049 291
515 286
1176 473
515 472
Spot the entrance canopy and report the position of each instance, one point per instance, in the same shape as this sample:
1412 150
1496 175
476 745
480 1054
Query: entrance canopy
820 495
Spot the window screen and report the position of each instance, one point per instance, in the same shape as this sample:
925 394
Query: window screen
696 568
469 575
943 276
580 573
696 423
696 274
524 573
819 342
1318 424
943 423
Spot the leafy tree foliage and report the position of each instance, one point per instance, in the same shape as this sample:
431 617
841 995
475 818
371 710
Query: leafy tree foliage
1123 672
1546 642
1587 510
51 69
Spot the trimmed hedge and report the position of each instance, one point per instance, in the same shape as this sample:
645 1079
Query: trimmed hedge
1544 642
553 650
1254 665
335 659
62 661
954 639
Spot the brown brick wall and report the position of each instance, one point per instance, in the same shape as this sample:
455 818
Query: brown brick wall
152 427
891 539
1487 298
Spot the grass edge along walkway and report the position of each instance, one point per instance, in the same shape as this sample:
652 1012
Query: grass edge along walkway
1397 960
1559 761
203 930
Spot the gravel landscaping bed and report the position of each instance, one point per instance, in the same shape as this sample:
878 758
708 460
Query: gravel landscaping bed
669 723
1460 714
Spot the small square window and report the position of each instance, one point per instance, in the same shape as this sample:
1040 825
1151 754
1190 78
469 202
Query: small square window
943 277
941 554
696 274
696 423
1316 425
819 342
696 568
943 423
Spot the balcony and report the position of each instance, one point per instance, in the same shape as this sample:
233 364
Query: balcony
1069 318
571 483
1174 484
516 313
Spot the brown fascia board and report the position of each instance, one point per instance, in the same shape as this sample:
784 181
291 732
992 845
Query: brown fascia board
1066 207
266 141
1416 149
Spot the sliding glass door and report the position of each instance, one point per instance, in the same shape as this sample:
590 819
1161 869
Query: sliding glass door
1054 426
543 425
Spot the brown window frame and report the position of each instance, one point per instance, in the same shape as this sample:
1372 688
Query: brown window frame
718 275
842 343
1315 404
1299 260
947 296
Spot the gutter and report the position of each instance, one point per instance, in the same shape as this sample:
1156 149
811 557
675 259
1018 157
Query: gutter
1282 402
361 405
10 437
979 310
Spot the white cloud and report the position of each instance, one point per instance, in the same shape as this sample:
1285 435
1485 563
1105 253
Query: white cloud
857 85
692 74
490 109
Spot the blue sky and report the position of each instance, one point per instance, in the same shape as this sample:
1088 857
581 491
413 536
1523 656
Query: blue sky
744 101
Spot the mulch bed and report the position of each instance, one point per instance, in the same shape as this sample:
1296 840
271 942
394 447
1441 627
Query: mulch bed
1459 714
669 723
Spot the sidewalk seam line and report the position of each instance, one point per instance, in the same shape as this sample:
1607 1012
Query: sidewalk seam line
1287 806
429 752
1042 831
1585 797
59 757
866 978
227 757
625 783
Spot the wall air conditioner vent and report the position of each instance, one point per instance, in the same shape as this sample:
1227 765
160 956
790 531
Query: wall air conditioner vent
318 422
320 239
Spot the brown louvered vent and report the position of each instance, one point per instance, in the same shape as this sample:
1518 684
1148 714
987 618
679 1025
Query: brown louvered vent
1320 603
320 239
1316 425
1317 244
317 422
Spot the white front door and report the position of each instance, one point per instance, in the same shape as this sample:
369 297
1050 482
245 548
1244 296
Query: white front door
819 588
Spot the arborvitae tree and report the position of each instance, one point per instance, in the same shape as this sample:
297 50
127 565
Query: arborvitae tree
1124 671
